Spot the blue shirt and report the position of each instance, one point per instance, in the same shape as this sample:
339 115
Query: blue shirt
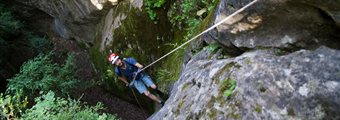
129 70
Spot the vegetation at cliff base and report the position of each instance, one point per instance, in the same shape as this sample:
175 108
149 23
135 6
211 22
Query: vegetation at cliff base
17 43
27 95
41 74
49 106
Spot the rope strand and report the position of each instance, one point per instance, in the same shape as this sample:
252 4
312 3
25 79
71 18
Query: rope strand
212 27
140 106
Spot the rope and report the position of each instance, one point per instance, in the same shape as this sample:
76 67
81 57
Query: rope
140 106
212 27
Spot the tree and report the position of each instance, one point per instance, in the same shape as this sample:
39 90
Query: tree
50 107
41 74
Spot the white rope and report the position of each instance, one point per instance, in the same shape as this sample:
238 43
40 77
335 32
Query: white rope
212 27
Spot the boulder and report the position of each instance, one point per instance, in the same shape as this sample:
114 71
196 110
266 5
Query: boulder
284 24
301 85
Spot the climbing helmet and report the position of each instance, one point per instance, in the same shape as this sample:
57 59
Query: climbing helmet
113 57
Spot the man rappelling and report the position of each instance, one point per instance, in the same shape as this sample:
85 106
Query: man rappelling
129 71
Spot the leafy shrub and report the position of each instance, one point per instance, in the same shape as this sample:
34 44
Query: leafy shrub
12 106
41 74
10 28
8 24
165 78
228 87
183 14
151 5
50 107
39 44
14 39
212 47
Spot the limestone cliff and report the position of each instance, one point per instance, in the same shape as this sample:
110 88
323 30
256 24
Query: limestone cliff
74 19
301 85
277 60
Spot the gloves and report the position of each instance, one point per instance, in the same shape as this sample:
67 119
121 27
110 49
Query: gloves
134 74
137 72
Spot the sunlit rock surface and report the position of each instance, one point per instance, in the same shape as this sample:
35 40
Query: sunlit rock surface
282 54
300 85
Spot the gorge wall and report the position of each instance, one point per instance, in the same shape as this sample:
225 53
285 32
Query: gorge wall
77 27
276 60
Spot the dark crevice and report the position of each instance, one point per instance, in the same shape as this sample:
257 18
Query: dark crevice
324 33
234 51
3 83
284 51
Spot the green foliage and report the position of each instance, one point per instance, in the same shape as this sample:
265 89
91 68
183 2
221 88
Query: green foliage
212 47
280 52
258 109
110 76
10 28
191 29
41 74
152 14
14 39
12 106
173 45
109 73
228 86
151 5
165 78
8 24
262 89
50 107
39 44
185 86
183 14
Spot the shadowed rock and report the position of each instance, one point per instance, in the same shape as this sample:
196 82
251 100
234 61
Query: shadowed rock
285 24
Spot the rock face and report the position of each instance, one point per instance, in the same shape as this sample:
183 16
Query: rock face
285 24
282 63
129 31
302 85
75 19
297 85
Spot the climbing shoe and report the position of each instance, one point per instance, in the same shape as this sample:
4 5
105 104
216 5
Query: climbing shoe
162 103
160 93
